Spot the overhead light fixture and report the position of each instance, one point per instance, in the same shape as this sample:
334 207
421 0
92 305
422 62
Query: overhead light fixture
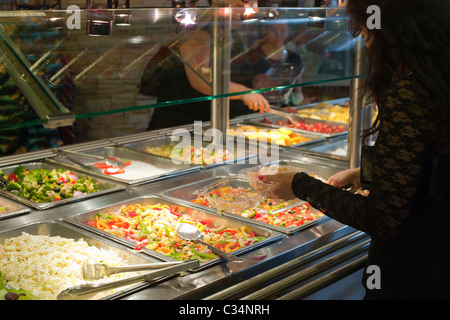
99 23
249 12
253 12
178 4
187 18
123 18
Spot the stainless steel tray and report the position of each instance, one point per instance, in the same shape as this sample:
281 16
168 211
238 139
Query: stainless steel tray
332 147
149 168
213 221
324 171
104 186
275 119
314 137
58 228
11 209
237 155
186 193
321 108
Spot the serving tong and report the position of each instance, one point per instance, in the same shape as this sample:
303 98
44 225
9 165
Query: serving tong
97 271
87 291
287 115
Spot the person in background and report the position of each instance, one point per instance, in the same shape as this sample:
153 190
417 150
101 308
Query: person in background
186 81
407 212
274 65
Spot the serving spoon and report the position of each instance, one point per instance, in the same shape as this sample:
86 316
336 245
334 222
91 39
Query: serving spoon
189 232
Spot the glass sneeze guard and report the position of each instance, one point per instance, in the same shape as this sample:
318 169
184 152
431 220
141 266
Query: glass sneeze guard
99 66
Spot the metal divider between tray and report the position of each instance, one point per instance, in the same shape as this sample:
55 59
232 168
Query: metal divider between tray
276 126
201 166
229 216
283 230
158 255
320 137
135 182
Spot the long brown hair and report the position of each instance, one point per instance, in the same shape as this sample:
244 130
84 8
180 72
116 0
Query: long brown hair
413 38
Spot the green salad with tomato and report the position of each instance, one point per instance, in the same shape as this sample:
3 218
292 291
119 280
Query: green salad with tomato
42 185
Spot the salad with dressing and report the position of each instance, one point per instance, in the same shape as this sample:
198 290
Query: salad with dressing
154 227
270 211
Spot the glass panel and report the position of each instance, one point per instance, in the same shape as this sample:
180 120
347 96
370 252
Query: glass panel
94 60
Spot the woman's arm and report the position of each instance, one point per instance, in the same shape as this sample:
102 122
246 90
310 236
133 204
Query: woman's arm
196 52
397 169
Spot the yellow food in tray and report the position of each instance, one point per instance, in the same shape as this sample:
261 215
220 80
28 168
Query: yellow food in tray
325 111
281 136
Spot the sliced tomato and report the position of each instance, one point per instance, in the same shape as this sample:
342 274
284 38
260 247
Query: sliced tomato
101 165
114 170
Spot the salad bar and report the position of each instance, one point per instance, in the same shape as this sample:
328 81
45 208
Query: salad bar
122 204
42 185
150 224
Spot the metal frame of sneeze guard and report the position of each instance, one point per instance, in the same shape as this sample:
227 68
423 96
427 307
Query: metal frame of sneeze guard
44 103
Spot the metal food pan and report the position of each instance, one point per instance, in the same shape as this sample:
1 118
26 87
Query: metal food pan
310 121
104 186
57 228
213 220
323 171
187 192
319 109
9 209
332 148
314 137
237 153
149 168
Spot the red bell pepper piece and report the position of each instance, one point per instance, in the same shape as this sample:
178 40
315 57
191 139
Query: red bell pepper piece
141 245
131 214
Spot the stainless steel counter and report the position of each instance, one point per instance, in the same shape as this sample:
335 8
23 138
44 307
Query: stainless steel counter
296 259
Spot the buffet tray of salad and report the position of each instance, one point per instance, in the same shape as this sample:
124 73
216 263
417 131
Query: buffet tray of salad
138 168
307 125
42 185
191 151
40 260
149 224
286 217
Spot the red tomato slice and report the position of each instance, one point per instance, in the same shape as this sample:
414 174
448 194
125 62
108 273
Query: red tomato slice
114 170
101 165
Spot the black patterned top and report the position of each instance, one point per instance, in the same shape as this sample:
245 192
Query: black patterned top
398 209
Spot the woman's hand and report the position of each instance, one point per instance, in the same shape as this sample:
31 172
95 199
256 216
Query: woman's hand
282 184
256 101
347 178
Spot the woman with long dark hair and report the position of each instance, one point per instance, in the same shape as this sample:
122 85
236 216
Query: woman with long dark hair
407 212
